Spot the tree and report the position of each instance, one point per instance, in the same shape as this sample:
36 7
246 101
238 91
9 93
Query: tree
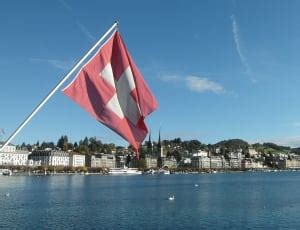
75 147
45 145
23 146
62 143
141 164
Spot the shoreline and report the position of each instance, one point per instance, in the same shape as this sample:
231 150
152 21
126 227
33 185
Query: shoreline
29 173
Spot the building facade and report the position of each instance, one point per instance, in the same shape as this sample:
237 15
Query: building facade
8 148
16 158
289 164
201 162
169 162
77 160
51 157
151 162
235 163
101 161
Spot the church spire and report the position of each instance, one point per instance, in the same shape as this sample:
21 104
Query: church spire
159 141
149 144
160 150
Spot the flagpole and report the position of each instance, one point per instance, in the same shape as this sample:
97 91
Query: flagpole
39 106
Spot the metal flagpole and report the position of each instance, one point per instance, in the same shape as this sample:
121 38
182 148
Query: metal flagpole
114 26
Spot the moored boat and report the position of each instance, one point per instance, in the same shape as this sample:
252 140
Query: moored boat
6 172
124 171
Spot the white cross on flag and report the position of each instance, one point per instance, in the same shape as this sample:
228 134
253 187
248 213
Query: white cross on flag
111 88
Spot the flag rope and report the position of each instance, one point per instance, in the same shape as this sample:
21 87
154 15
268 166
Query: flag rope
40 105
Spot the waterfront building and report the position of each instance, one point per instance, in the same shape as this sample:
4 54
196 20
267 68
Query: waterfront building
33 163
168 162
295 156
51 157
226 164
289 164
249 163
77 160
151 162
201 162
205 162
15 158
12 157
196 162
101 160
92 161
235 163
216 162
8 148
121 161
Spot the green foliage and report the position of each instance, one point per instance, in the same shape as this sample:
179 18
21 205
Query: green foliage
62 143
232 144
176 154
276 147
141 163
45 145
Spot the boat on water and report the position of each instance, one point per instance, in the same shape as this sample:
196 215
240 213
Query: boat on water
124 171
157 172
6 172
163 171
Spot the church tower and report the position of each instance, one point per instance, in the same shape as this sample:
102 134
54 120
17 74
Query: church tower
160 151
150 145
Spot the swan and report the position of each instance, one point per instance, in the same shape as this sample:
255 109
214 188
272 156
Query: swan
7 194
172 198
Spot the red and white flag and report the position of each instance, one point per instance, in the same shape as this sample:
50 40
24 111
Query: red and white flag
111 88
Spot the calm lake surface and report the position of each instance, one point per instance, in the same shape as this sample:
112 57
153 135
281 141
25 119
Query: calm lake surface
221 201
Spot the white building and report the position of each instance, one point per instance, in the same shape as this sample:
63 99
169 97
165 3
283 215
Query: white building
77 160
201 153
201 162
216 162
250 164
102 161
151 162
236 155
12 157
51 157
169 162
16 158
8 148
252 152
33 163
235 163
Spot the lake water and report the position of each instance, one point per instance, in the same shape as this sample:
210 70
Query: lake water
221 201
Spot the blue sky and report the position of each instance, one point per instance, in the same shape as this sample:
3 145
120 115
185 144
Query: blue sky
219 69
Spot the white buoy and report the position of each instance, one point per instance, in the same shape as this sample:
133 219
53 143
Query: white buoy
196 185
172 198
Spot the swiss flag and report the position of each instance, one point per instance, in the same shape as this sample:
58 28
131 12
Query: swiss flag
111 88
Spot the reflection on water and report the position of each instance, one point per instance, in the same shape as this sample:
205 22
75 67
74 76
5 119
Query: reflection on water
236 200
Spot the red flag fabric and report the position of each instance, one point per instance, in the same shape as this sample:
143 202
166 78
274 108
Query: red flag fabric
111 88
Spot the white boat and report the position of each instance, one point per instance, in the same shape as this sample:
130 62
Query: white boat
163 171
6 172
124 171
